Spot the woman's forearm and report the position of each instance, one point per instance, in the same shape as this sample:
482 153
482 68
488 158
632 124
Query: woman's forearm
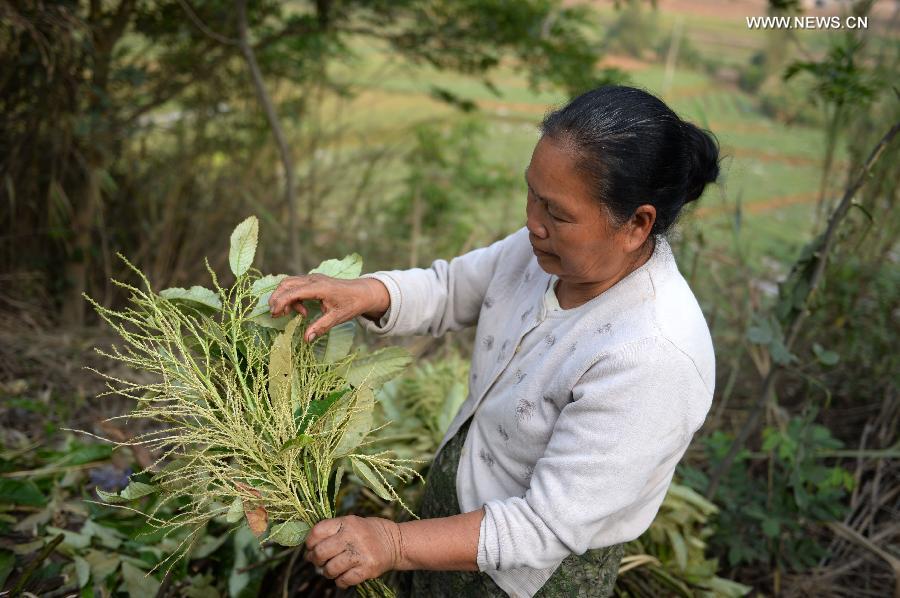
444 544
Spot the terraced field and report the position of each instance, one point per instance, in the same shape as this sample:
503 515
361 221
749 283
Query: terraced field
770 171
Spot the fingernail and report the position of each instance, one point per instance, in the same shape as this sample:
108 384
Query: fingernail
312 337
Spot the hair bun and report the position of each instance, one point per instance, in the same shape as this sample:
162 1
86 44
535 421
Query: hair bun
703 149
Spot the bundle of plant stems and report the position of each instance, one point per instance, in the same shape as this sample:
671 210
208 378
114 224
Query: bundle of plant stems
250 422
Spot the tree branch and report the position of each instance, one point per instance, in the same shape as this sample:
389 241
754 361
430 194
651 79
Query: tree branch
165 92
203 28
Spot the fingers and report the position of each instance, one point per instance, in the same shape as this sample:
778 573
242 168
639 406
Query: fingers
346 549
340 564
326 551
352 577
322 530
326 322
292 290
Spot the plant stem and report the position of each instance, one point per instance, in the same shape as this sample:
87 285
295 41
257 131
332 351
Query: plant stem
32 566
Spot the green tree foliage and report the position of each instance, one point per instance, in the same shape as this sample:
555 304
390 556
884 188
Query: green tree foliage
442 205
88 86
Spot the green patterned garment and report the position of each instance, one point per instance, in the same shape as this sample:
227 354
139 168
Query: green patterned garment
592 574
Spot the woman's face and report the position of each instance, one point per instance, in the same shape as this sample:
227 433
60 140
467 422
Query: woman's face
571 234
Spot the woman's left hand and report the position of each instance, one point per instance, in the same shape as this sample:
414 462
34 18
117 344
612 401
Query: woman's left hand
353 549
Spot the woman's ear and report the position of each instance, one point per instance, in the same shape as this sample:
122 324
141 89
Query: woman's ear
638 228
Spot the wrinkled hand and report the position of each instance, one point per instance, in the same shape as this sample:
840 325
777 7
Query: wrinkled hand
353 549
341 300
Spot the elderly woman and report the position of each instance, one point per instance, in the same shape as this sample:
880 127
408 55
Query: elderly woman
592 369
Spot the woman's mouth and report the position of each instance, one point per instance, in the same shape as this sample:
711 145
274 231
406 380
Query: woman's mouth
540 253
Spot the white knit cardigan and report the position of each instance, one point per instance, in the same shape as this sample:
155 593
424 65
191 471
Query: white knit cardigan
579 416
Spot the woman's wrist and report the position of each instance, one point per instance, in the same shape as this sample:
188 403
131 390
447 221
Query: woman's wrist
443 544
379 299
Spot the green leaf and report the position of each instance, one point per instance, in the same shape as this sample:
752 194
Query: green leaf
243 245
679 548
370 478
73 540
21 492
298 441
348 267
825 357
134 491
102 564
110 538
340 339
760 334
137 490
265 319
281 363
263 287
195 294
377 368
208 545
82 571
771 527
359 424
317 408
137 583
338 478
727 588
454 400
246 550
7 564
289 533
110 497
235 511
86 454
693 498
780 353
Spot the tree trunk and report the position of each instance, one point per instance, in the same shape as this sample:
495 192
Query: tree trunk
76 270
416 233
283 149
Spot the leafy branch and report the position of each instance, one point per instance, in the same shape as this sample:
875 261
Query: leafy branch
252 424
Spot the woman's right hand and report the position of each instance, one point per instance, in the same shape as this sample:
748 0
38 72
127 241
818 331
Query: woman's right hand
341 300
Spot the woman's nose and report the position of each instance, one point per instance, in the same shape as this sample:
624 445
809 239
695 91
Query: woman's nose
533 223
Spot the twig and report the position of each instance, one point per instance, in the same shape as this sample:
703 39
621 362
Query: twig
821 260
32 566
264 562
850 534
165 585
202 26
43 471
287 574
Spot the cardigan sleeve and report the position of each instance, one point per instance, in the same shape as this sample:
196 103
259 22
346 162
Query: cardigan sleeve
609 461
447 296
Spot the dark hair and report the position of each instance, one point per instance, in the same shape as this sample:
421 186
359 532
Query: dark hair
634 150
